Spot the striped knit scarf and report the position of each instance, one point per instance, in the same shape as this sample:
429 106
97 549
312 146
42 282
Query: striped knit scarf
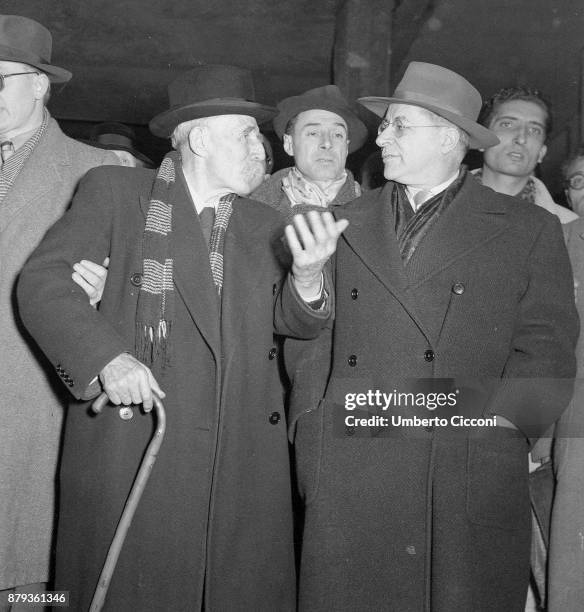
155 310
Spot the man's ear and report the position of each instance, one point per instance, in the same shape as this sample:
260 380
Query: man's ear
541 154
41 85
198 141
450 138
288 144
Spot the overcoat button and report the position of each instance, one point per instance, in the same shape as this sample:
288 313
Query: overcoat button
273 352
352 361
136 279
274 418
429 355
458 288
354 293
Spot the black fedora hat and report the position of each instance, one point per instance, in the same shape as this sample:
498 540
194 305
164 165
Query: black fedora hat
443 92
115 136
26 41
207 91
329 98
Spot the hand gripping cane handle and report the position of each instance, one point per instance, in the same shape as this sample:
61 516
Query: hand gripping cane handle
132 501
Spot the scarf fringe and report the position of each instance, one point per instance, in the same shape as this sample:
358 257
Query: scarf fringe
152 345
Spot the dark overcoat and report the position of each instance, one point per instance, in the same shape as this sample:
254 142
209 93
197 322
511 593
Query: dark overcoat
215 518
435 517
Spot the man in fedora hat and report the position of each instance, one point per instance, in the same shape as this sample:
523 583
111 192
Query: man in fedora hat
453 303
318 129
39 171
189 311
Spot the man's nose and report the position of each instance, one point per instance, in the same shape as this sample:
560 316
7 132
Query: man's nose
325 141
384 136
521 134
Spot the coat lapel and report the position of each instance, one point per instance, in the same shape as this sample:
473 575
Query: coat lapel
472 219
192 272
245 261
43 172
371 235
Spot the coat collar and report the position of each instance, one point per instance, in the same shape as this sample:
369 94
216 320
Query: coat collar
475 216
42 172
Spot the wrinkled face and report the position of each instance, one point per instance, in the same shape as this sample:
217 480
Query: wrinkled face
236 156
576 176
520 126
410 145
319 144
21 99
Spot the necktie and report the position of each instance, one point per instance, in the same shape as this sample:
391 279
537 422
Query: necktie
206 218
6 150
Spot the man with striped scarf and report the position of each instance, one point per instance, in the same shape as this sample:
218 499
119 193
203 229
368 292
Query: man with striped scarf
197 287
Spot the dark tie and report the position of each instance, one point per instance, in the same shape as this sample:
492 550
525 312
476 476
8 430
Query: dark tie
6 150
207 218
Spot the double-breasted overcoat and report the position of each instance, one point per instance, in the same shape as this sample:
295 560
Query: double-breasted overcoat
215 520
435 517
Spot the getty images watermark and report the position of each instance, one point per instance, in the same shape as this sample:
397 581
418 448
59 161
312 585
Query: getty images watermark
380 400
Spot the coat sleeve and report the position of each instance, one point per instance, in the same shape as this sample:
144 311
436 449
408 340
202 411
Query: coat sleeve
76 338
294 318
539 374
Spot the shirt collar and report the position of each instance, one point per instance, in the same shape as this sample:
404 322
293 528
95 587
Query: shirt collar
412 191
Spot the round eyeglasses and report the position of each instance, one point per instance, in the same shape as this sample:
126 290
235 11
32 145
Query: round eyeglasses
576 181
3 77
399 127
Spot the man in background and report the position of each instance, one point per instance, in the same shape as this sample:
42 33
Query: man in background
521 119
40 170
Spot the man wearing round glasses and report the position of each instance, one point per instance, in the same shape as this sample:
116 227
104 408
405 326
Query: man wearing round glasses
573 171
443 289
39 170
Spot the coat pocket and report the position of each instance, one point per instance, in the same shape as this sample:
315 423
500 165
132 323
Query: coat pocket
497 493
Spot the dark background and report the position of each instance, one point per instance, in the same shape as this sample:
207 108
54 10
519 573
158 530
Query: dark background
123 53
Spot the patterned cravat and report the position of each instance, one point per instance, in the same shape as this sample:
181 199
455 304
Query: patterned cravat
6 150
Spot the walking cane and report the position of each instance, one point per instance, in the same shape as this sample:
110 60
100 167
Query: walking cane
133 499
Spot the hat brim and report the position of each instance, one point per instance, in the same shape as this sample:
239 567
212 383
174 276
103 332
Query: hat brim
55 74
480 136
163 124
112 147
357 129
